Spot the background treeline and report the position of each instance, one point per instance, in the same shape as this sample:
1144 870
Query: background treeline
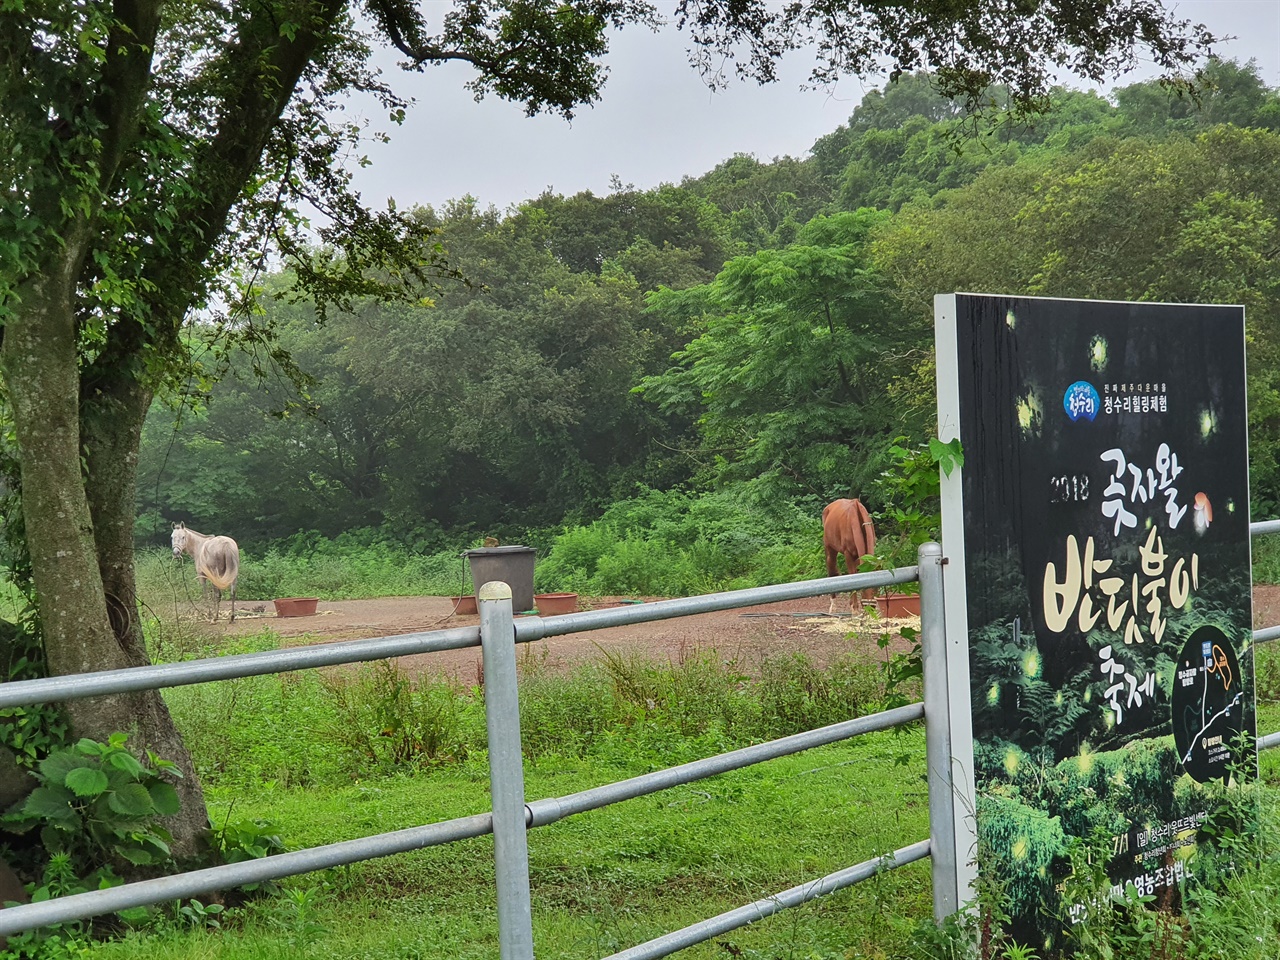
677 379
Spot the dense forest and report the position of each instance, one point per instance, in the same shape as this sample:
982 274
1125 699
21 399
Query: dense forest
756 340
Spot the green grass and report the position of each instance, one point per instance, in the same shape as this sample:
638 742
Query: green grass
661 543
320 760
334 759
608 878
165 583
1266 559
317 729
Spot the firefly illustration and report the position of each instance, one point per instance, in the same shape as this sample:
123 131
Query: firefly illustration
1203 513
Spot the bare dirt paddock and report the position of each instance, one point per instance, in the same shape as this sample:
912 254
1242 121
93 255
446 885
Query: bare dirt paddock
746 636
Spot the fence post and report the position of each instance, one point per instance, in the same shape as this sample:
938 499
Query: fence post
937 725
506 772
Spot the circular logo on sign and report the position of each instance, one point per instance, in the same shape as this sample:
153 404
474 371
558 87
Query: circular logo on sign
1208 704
1081 400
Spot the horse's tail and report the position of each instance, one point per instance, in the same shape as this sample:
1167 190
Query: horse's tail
220 561
868 528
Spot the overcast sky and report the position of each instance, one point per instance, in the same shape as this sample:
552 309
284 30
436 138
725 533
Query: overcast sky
656 122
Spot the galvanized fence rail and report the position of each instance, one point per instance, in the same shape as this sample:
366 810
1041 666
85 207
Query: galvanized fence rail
512 817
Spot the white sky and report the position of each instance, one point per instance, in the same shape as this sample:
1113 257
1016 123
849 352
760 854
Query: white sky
656 121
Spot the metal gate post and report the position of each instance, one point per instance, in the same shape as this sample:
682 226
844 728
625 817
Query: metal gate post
937 726
506 772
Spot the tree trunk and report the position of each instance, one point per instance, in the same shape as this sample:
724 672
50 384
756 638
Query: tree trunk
111 425
111 417
41 370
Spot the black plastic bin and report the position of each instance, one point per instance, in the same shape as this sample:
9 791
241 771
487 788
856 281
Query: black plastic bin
512 565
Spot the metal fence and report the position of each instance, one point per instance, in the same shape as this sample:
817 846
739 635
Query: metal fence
512 817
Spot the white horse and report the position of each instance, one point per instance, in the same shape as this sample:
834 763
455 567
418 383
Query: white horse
217 562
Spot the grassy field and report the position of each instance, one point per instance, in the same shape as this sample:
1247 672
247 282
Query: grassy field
600 881
337 758
653 556
270 748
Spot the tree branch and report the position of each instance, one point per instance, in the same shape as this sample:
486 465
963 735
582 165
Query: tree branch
125 78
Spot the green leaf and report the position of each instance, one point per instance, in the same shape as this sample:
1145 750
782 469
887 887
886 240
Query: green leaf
91 45
90 748
136 856
55 767
106 878
132 800
162 765
127 762
947 455
86 781
165 799
49 803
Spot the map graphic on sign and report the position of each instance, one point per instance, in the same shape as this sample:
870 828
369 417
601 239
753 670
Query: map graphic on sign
1208 704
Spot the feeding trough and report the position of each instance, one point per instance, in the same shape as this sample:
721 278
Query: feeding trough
465 605
554 604
296 606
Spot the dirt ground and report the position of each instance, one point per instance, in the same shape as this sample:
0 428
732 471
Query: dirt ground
746 636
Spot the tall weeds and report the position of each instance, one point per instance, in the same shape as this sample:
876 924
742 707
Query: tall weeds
308 728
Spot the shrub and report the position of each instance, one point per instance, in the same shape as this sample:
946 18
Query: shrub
98 806
575 555
675 543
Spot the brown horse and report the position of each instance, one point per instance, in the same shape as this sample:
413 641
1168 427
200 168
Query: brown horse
217 562
847 529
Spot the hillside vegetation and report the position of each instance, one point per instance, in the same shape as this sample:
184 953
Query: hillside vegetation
760 335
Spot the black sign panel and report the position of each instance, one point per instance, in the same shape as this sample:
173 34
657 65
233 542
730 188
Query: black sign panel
1104 504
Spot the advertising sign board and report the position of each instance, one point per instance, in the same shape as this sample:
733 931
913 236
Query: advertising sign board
1097 539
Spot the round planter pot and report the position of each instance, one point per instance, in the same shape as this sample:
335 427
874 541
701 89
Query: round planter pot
554 604
465 605
296 606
